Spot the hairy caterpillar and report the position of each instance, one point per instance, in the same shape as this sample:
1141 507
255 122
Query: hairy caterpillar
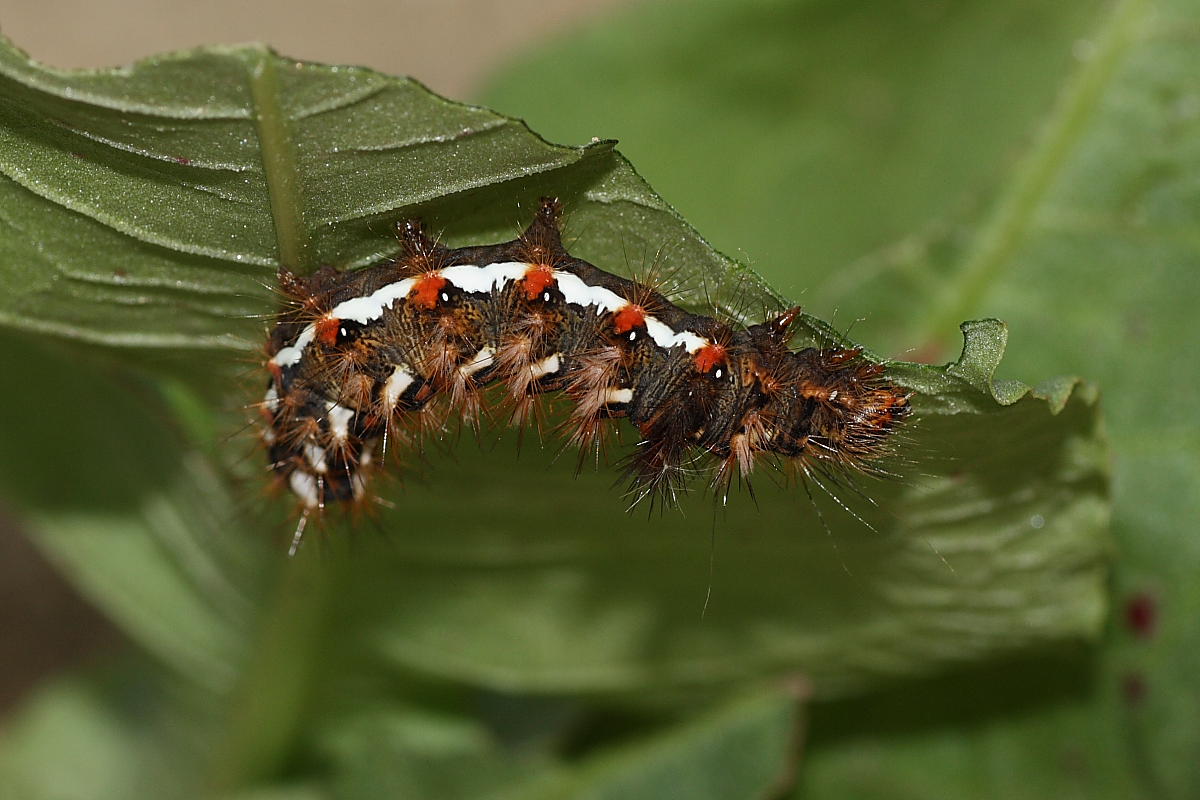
367 359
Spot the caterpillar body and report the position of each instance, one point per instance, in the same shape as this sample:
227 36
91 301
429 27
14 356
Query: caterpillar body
366 360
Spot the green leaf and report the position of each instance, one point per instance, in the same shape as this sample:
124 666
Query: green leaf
409 752
742 748
113 498
91 738
745 748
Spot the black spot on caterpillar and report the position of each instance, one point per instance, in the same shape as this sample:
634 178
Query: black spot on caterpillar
382 356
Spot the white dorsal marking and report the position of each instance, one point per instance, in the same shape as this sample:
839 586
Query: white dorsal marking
477 280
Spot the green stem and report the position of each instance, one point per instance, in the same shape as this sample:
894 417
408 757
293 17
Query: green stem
1009 223
268 704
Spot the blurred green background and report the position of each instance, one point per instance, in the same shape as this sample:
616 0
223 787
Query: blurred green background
895 166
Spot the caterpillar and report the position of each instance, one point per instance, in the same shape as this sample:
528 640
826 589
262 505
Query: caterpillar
380 357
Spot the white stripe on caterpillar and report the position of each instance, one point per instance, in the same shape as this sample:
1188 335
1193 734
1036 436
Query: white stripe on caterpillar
478 280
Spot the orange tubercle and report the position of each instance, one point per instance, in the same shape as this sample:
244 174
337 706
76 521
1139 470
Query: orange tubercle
709 356
327 330
538 278
630 317
428 290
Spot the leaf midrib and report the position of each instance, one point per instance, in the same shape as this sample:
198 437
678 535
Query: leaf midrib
279 163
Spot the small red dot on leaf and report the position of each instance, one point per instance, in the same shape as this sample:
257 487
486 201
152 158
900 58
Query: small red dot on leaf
1141 614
